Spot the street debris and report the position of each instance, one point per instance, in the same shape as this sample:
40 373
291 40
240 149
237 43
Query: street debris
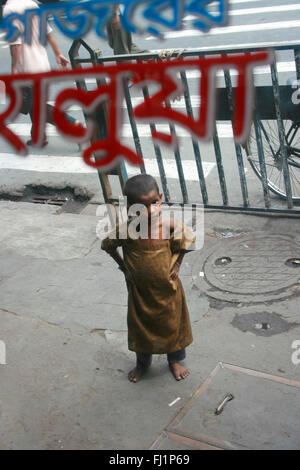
220 407
225 234
174 401
294 262
264 326
262 323
223 261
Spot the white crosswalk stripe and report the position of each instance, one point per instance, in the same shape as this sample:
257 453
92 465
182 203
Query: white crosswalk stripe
224 130
285 66
255 11
276 25
75 165
235 2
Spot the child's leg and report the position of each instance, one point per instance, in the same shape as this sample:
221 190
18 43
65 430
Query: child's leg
176 356
178 370
143 361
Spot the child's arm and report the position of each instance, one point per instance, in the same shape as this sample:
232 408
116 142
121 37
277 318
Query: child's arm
118 258
120 261
15 52
110 244
180 245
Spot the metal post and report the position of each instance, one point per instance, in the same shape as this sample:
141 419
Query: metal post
297 62
238 150
100 116
196 148
158 155
283 151
262 163
220 167
133 124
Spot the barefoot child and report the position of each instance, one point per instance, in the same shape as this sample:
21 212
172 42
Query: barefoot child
158 318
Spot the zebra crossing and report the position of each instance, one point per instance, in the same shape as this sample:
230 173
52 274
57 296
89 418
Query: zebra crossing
278 25
250 22
75 165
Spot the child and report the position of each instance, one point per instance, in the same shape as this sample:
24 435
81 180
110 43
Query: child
158 318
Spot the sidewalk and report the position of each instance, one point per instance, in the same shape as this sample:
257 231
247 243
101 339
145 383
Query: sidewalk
63 321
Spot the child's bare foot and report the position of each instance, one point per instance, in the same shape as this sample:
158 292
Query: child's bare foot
135 374
179 371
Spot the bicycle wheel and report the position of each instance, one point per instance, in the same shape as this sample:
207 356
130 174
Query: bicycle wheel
272 154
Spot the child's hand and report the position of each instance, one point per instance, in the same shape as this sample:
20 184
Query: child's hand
127 274
128 278
174 271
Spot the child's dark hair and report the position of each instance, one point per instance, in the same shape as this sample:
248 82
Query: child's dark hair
139 185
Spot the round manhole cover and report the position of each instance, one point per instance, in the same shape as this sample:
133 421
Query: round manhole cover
254 268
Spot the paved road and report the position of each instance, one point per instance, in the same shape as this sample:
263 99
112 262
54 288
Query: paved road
250 22
63 321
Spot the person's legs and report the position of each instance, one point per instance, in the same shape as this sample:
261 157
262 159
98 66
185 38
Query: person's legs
176 356
49 119
29 142
143 361
177 369
134 49
118 39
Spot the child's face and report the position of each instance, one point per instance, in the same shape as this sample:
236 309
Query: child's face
153 202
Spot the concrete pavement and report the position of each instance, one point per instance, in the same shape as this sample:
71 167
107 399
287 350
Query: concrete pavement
63 323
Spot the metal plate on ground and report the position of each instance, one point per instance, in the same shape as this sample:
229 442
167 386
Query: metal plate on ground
253 268
263 414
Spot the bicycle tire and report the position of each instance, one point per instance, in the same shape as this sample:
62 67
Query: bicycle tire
271 145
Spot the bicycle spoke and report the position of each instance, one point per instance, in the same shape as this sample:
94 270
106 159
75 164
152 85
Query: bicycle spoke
273 159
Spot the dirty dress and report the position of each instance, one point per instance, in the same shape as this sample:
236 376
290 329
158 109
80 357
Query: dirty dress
157 316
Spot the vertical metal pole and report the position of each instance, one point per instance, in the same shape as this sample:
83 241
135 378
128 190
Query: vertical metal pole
238 150
196 148
133 124
179 163
220 167
297 62
100 116
158 155
285 167
100 129
262 163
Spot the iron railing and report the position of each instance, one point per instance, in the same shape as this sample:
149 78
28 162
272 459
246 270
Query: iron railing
273 102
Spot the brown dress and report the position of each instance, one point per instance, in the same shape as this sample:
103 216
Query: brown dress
158 318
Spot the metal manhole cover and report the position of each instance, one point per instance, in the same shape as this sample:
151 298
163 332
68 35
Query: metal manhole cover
254 268
237 408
